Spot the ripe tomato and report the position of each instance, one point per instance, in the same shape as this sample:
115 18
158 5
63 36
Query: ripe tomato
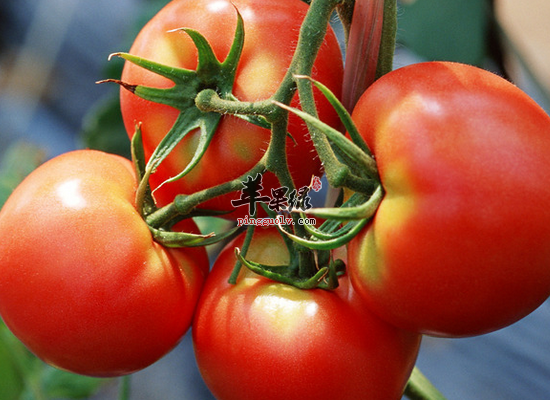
460 244
82 283
260 339
271 32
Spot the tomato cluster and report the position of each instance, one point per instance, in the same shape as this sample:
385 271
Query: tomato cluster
95 279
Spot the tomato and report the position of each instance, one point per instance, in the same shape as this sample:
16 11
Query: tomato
82 283
237 145
460 244
260 339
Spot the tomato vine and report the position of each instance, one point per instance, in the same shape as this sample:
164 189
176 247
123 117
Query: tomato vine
374 273
304 271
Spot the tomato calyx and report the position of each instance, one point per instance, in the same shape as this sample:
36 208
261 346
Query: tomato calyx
306 269
210 74
342 223
326 276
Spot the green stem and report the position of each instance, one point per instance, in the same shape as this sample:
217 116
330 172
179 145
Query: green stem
277 163
311 38
185 204
312 33
420 388
209 101
124 391
387 43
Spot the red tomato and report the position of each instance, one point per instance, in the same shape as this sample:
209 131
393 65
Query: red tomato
264 340
83 285
271 31
460 244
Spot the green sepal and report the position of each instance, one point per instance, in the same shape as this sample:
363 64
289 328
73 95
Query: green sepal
330 229
357 211
343 114
351 230
145 203
364 209
188 120
350 149
325 278
317 233
184 239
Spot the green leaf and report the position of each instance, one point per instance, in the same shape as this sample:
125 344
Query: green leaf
19 160
11 378
61 384
447 30
103 128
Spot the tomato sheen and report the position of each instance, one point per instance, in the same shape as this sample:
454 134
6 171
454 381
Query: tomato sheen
82 283
460 244
264 340
271 32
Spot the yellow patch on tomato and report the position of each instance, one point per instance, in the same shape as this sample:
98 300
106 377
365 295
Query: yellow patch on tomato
284 308
398 204
259 77
394 214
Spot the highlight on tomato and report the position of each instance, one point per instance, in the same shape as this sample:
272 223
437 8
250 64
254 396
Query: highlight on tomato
460 244
237 145
83 285
260 339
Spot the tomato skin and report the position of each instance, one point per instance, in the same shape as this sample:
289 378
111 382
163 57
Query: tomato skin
265 340
460 245
237 145
82 283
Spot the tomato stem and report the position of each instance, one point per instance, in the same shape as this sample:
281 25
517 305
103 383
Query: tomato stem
420 388
260 113
124 391
185 205
388 40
